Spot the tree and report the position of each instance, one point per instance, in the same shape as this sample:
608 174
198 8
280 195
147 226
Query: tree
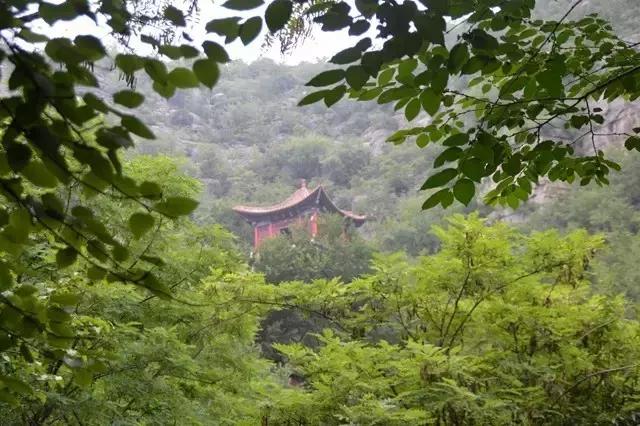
494 81
495 328
123 355
60 160
336 252
73 216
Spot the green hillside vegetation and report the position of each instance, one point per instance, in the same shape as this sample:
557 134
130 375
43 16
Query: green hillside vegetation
492 145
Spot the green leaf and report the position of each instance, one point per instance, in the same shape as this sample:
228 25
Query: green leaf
95 102
150 190
153 260
26 353
170 51
359 27
633 142
82 378
51 13
66 257
16 385
149 40
188 51
357 76
431 28
176 206
277 14
366 7
37 173
25 290
32 37
96 273
61 50
369 95
242 4
481 40
4 217
228 27
175 15
137 127
439 179
183 78
346 56
90 47
63 298
464 190
18 155
438 7
140 224
164 89
406 67
440 80
435 199
128 98
97 250
430 101
206 70
513 166
336 18
385 76
551 81
156 69
413 109
456 140
215 51
327 78
54 207
128 63
458 56
449 154
577 121
19 226
313 97
422 140
334 95
472 168
157 287
250 29
120 253
6 278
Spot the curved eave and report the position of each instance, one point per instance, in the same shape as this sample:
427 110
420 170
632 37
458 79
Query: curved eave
297 204
357 219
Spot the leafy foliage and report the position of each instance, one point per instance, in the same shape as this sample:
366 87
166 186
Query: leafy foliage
336 252
493 91
495 328
115 353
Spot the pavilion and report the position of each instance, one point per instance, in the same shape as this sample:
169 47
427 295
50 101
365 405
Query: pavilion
302 207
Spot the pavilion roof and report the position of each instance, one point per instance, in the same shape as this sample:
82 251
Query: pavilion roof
301 199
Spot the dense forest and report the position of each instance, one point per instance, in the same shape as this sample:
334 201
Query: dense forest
494 281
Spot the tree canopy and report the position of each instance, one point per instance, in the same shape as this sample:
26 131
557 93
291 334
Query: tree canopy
495 328
116 307
336 252
495 82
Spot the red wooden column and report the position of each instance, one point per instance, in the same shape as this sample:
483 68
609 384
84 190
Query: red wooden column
256 237
313 222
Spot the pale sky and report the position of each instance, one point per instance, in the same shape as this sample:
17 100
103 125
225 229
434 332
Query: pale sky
320 46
